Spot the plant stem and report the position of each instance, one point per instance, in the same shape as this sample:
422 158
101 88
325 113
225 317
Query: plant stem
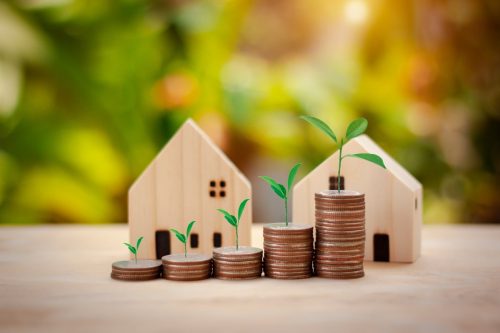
286 211
135 255
237 243
185 250
340 164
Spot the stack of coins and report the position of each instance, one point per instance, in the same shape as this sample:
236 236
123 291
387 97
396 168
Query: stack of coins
242 264
192 267
130 270
288 251
340 234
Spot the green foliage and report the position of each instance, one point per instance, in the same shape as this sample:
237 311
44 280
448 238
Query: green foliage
369 157
321 125
183 238
232 220
355 128
136 248
280 189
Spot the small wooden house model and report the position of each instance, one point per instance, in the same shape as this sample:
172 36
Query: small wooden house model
393 200
188 180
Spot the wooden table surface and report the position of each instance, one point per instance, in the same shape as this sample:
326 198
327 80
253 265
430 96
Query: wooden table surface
56 279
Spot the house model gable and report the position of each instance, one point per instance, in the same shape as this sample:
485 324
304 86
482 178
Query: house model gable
188 180
393 199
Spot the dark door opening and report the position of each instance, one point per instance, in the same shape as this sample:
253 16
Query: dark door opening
162 238
194 241
217 239
381 247
333 182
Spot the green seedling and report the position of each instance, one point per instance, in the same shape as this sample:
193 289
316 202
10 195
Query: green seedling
136 248
184 237
232 220
355 128
280 189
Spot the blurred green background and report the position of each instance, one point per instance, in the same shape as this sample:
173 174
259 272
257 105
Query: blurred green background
91 90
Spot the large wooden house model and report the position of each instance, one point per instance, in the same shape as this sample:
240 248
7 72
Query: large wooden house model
188 180
393 200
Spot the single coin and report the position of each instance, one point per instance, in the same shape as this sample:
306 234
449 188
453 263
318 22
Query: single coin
125 271
292 228
288 276
225 261
239 273
241 251
140 265
183 278
133 277
233 278
181 259
354 275
343 194
188 267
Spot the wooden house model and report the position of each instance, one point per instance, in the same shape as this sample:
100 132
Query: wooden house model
188 180
393 200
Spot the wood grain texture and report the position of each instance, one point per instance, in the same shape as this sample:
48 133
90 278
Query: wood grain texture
390 197
174 189
56 279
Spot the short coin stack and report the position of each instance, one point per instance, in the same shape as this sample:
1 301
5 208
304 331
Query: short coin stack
140 270
192 267
244 263
340 234
288 251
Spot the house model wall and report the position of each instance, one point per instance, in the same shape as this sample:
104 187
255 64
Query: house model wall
393 200
188 180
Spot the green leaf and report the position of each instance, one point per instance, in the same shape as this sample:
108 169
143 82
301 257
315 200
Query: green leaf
138 242
369 157
291 175
356 128
242 208
275 186
190 226
321 125
283 189
179 235
229 218
277 189
130 247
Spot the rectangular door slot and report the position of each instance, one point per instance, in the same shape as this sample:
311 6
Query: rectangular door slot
334 183
194 241
162 238
217 239
381 247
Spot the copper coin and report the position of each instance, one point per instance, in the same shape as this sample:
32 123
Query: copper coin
183 278
134 278
187 267
342 195
236 263
242 251
288 258
351 275
181 259
249 277
140 265
288 276
292 228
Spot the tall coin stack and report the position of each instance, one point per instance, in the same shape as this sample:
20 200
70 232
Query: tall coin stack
140 270
340 234
288 251
244 263
192 267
